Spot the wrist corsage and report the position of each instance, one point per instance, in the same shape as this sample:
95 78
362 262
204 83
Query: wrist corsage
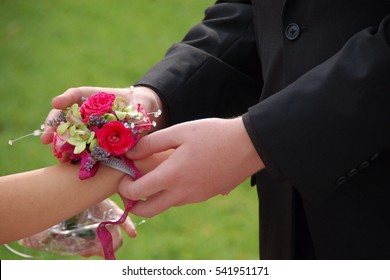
99 131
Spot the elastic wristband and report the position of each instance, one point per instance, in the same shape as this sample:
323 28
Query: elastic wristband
118 164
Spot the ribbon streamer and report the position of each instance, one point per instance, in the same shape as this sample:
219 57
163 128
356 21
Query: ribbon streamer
103 233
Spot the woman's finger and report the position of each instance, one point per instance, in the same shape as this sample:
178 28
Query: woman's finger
75 95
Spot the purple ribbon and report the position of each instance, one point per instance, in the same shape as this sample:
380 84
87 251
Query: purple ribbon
103 233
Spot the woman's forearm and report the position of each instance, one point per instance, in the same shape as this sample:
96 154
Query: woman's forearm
35 200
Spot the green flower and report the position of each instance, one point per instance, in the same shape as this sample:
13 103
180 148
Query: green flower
79 135
125 110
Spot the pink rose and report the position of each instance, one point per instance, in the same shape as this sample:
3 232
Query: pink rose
115 138
62 149
97 105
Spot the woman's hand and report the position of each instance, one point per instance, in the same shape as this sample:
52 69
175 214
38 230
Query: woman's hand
148 99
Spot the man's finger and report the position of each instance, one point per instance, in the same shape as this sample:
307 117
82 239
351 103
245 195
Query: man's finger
156 142
154 205
146 186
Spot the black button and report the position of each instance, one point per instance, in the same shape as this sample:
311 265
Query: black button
352 172
364 165
374 156
341 180
292 31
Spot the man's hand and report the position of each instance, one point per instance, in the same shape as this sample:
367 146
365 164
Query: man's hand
209 157
148 99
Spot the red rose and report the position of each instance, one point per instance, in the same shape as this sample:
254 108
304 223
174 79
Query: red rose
97 105
115 138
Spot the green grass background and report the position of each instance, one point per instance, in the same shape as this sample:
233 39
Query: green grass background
48 46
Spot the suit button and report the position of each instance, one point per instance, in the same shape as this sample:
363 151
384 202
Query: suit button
292 31
352 172
364 165
341 180
374 156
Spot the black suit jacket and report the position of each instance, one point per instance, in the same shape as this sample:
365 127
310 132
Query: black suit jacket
312 78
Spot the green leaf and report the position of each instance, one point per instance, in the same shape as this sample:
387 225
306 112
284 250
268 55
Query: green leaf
93 144
74 140
110 117
72 130
121 115
91 137
71 222
75 110
63 127
119 104
80 147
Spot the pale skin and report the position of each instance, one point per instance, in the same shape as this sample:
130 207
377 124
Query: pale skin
206 157
35 200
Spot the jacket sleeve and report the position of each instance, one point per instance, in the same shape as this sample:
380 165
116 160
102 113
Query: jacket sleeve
332 122
214 71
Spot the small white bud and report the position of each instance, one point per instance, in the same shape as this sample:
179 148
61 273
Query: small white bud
37 132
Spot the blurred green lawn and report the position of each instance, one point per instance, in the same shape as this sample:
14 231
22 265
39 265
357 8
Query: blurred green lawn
48 46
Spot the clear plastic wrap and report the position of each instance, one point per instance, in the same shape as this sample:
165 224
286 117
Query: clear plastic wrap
76 235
